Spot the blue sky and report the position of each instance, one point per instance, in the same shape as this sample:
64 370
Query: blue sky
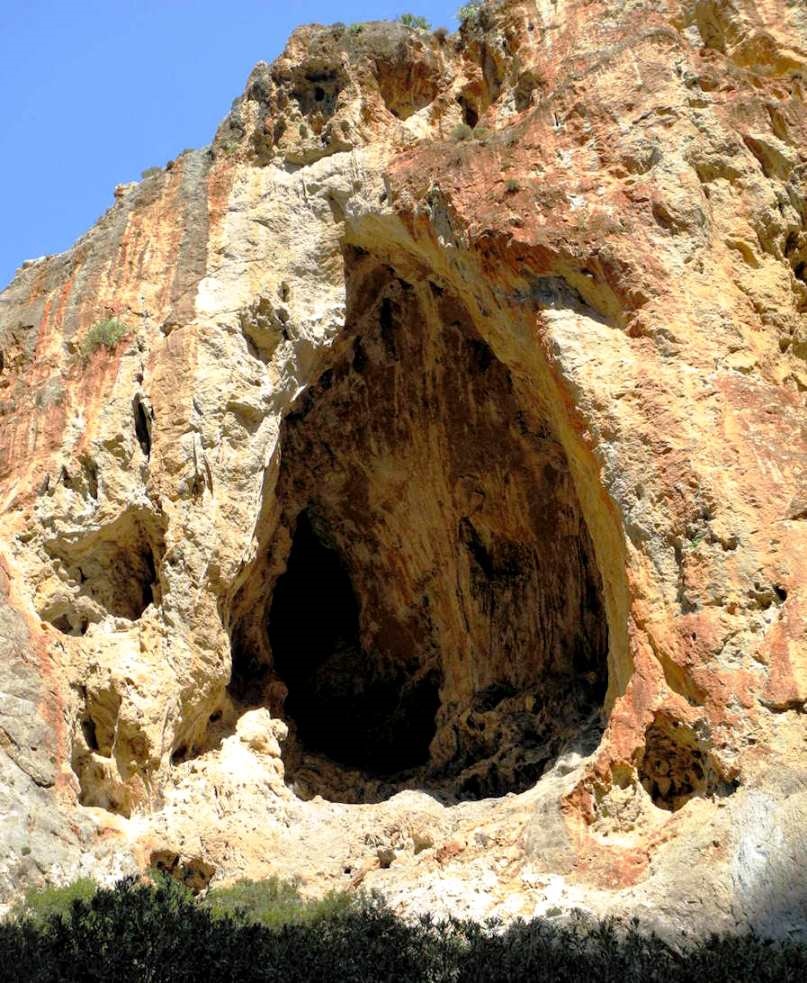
92 92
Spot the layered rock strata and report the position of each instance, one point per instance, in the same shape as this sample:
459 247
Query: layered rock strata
438 524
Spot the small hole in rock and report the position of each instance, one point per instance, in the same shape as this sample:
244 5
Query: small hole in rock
179 755
675 766
142 421
469 115
88 730
90 469
67 627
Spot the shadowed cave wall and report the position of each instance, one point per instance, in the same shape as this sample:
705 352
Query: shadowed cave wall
431 614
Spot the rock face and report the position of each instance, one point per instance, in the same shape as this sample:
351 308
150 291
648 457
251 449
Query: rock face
438 525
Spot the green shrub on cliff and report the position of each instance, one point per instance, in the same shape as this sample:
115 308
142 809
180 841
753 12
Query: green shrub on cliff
469 11
415 22
461 132
104 334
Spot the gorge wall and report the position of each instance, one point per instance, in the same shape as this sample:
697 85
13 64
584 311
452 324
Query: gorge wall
438 523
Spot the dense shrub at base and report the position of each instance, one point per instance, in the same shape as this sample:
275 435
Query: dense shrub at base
136 932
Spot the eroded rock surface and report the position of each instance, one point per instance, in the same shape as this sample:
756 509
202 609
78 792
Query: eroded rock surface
438 526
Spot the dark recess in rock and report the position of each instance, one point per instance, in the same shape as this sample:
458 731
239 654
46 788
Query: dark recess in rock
677 765
453 637
142 422
345 702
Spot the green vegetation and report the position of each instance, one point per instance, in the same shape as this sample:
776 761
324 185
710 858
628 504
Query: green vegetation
413 21
356 28
104 334
511 186
150 172
40 904
159 932
273 903
461 132
469 11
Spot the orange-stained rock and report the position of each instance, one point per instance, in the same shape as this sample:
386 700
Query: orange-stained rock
438 523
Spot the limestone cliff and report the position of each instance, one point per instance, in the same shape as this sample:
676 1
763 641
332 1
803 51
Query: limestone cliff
438 523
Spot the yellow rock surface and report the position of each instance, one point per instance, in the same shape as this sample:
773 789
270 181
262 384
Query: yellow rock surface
438 524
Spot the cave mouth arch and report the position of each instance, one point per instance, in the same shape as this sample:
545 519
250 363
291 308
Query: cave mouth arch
432 612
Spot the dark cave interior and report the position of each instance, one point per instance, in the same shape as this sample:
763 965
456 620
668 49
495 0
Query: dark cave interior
433 616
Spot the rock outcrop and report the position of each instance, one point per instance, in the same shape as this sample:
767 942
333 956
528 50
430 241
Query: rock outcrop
438 523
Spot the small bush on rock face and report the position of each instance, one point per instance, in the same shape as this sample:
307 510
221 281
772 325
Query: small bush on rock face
105 334
469 11
461 132
413 21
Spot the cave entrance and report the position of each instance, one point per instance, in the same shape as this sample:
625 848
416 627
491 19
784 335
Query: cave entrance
346 703
429 613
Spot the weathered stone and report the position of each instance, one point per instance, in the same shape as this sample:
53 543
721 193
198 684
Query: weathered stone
435 526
